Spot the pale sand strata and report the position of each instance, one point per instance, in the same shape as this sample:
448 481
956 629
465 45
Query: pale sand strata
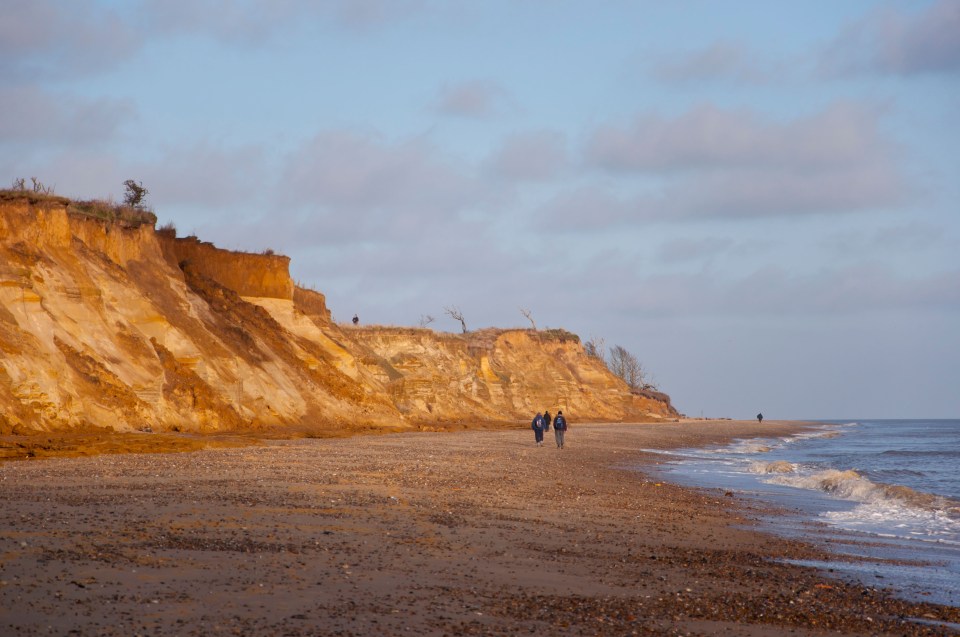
476 532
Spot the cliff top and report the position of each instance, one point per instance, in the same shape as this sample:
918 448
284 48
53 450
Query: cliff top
128 216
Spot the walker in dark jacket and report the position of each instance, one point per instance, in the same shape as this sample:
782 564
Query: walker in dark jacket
537 426
559 428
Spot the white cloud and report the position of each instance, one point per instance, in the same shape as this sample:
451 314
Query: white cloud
772 192
205 175
589 207
889 41
353 172
722 60
478 99
364 14
531 156
736 193
911 239
710 137
46 38
254 21
716 163
688 250
774 291
35 116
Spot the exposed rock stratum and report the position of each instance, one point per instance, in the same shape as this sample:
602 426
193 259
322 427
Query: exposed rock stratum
123 326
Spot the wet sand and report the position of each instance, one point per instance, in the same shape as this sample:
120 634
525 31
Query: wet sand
476 532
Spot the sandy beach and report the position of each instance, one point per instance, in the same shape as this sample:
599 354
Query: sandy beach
474 532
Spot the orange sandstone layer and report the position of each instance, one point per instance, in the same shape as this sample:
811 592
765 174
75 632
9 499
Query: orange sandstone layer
110 325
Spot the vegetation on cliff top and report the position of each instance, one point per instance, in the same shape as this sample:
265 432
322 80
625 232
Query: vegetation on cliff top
132 213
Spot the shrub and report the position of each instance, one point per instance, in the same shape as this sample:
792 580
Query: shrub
135 193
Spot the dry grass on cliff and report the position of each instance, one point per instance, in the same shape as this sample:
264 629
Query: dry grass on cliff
102 209
32 198
482 336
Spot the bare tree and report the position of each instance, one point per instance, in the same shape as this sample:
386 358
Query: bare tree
39 187
454 312
625 365
595 348
426 319
527 313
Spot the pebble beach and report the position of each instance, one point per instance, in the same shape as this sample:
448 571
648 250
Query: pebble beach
442 533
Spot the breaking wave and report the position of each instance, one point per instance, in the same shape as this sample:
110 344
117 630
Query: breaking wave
780 466
881 508
749 447
850 485
752 446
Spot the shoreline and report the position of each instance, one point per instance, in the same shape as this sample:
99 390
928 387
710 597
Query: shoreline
884 528
474 532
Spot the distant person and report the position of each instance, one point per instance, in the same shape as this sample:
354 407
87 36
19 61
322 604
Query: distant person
559 428
356 320
760 418
546 421
537 426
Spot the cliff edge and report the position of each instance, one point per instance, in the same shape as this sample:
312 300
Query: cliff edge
113 324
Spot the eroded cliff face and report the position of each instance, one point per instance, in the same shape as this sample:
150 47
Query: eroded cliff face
128 328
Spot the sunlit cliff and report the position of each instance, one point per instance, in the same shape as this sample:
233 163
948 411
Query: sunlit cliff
123 326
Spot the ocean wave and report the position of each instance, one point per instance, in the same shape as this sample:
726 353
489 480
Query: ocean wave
850 485
929 453
833 433
746 447
779 466
899 473
764 445
824 431
890 519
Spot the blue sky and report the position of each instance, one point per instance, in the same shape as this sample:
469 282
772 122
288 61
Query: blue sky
760 200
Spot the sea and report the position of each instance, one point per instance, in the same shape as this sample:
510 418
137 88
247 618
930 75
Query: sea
883 496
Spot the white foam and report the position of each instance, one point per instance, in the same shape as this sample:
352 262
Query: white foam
779 466
848 485
893 519
749 446
882 506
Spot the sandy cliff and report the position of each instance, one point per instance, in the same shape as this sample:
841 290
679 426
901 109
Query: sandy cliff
107 324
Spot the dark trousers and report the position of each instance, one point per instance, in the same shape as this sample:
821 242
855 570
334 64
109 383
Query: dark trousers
538 435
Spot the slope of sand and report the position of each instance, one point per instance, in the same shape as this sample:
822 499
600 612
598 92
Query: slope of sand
476 532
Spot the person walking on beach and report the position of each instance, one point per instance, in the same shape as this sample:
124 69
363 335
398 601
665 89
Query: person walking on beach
760 418
546 421
559 428
537 426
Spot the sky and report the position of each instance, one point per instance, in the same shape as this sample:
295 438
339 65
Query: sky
759 200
